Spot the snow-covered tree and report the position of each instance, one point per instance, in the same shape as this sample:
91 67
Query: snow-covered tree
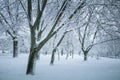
45 19
10 20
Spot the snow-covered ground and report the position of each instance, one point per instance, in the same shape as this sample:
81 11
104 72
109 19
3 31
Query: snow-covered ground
71 69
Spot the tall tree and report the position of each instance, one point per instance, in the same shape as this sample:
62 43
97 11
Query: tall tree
10 19
35 26
38 26
56 46
87 31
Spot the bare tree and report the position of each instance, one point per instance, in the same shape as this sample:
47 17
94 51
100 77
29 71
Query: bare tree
35 26
82 40
108 21
10 20
56 46
87 33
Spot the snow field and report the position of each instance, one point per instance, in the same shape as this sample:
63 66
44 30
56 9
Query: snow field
70 69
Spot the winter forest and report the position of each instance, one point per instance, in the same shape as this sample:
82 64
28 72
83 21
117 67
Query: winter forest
59 39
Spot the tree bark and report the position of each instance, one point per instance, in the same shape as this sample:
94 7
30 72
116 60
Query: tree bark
85 56
15 47
53 57
32 55
31 62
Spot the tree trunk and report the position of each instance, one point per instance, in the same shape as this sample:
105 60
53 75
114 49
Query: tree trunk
72 54
31 62
53 57
85 56
15 48
62 52
3 51
67 55
79 52
58 56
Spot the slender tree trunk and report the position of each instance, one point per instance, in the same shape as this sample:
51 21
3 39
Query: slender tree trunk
85 56
53 57
58 56
62 52
67 55
15 47
72 54
79 52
